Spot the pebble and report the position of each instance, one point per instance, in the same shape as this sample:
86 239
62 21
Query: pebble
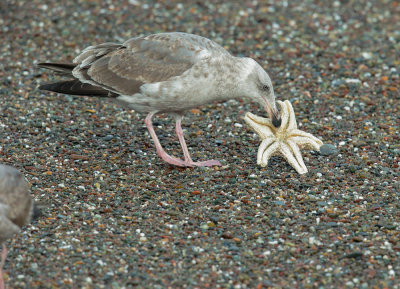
108 137
280 203
328 150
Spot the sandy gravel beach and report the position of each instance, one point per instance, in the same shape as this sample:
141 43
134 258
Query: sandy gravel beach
116 216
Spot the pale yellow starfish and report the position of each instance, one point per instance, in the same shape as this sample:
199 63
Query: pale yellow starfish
284 140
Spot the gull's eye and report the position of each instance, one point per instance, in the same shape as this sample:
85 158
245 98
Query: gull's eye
265 88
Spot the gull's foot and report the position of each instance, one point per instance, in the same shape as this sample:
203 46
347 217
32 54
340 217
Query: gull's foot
210 163
172 160
187 163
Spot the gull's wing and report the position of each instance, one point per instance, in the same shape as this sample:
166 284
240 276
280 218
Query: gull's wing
122 69
112 69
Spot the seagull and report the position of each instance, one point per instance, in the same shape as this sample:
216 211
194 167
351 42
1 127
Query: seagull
166 73
16 208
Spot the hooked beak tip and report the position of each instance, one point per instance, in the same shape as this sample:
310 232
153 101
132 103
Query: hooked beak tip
274 115
276 121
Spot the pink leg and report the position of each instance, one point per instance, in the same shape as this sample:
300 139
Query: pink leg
188 159
3 259
172 160
166 157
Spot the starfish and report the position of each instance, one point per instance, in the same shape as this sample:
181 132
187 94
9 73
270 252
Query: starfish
284 140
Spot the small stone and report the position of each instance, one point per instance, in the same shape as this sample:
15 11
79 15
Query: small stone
211 224
352 168
280 203
328 150
108 137
366 55
204 226
354 255
337 82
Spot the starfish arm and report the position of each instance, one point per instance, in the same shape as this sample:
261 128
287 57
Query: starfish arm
298 132
296 151
258 119
303 138
291 153
292 124
284 116
267 153
263 131
262 126
263 146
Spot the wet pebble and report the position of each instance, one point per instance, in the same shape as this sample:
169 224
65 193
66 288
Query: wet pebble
328 150
108 137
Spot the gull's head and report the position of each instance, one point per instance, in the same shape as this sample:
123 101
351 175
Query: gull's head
258 86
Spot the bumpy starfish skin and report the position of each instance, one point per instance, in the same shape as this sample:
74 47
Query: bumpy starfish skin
284 140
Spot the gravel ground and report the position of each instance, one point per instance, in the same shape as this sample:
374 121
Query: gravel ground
116 216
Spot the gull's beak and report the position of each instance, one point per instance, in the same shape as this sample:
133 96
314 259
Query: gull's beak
274 115
276 119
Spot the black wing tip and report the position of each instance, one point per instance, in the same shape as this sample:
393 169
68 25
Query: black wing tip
47 64
75 87
46 86
59 86
54 63
58 67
